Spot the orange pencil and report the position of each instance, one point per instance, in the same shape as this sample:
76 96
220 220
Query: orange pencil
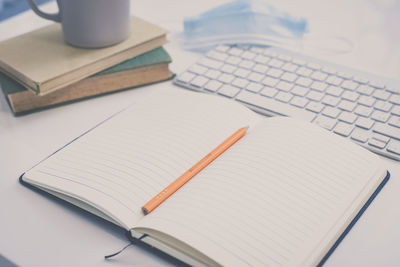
185 177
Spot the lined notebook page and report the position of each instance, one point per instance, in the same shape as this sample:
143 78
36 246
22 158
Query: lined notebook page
279 197
123 163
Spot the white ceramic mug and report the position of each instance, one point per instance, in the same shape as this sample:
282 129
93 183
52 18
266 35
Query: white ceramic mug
91 23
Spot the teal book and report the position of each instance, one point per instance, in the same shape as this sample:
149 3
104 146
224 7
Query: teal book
148 68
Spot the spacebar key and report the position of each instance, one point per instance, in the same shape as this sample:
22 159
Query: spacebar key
274 106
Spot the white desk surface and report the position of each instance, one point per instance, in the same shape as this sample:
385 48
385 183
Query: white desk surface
38 231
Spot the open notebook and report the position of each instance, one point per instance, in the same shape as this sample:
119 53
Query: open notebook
281 196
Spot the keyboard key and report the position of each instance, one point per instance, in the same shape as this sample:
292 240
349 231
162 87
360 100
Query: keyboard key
360 79
254 87
328 70
226 78
239 82
331 112
299 90
284 86
334 90
212 74
260 68
351 96
394 147
395 121
213 86
186 77
394 90
210 63
360 135
300 102
387 130
298 61
270 53
365 89
395 99
276 73
289 67
255 77
366 100
396 110
227 68
228 90
331 100
347 117
242 72
363 111
377 84
233 60
198 69
315 107
349 85
217 55
289 77
303 71
247 64
382 105
376 143
199 81
235 51
222 48
343 129
256 49
381 137
318 86
276 63
382 95
380 116
344 75
248 55
285 57
274 106
316 96
269 91
271 82
325 122
334 80
347 105
304 81
262 59
313 66
284 97
364 123
319 76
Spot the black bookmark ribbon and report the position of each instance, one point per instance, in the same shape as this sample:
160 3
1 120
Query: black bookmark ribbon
118 252
131 242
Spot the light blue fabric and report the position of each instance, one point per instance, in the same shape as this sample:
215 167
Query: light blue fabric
14 7
239 21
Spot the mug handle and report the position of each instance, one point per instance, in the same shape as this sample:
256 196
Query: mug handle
54 17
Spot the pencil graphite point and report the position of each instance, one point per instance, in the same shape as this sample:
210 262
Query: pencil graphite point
145 211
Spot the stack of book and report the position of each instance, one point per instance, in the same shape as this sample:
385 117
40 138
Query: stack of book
39 70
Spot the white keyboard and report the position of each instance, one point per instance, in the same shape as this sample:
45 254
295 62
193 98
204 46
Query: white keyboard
359 106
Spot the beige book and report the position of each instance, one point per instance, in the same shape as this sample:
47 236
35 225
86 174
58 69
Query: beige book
283 195
43 62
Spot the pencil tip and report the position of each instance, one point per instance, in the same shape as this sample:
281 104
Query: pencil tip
145 211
